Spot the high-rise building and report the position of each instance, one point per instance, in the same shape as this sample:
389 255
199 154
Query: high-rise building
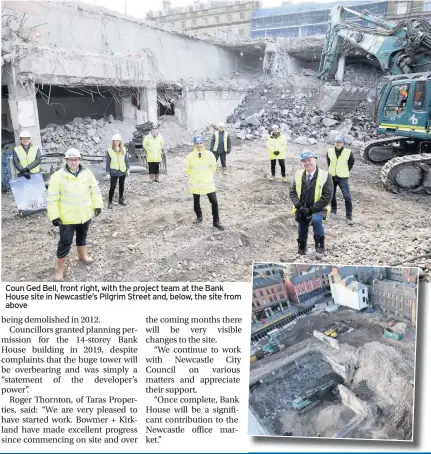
226 20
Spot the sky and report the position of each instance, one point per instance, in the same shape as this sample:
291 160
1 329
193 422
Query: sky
139 8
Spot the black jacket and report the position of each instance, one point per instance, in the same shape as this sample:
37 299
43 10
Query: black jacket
221 143
350 162
307 194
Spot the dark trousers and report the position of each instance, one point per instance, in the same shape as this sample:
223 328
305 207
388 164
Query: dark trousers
154 168
345 190
212 197
222 157
121 179
316 221
66 237
282 167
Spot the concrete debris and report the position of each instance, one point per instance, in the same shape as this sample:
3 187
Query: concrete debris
253 120
89 135
292 104
329 122
93 137
302 140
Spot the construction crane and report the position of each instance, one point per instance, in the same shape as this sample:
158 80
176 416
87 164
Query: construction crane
403 51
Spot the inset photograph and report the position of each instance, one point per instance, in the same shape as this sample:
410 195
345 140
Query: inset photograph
333 351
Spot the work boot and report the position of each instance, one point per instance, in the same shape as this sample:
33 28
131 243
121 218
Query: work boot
334 212
271 178
121 201
60 268
82 255
156 179
284 179
198 220
224 169
302 246
319 244
217 225
110 205
349 220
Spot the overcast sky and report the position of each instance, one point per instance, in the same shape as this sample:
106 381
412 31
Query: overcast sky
139 8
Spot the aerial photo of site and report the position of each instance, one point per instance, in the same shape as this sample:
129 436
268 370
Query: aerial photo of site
333 351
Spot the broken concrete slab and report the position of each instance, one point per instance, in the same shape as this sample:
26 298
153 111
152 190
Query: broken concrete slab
302 140
252 120
328 122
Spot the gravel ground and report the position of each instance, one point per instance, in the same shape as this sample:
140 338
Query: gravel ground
153 238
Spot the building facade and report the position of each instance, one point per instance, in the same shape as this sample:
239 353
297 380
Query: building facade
269 296
407 275
306 18
347 291
269 270
302 288
398 298
406 9
226 20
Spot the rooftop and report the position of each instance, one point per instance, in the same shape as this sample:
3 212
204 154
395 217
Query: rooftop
260 282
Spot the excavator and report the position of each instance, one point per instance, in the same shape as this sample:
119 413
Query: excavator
403 101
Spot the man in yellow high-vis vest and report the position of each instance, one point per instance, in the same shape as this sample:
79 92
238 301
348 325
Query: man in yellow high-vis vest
26 156
73 198
221 145
311 195
340 163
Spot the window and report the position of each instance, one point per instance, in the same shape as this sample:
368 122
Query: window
402 7
397 100
229 17
261 293
254 295
193 21
241 32
427 6
205 21
183 24
419 98
242 15
217 19
267 292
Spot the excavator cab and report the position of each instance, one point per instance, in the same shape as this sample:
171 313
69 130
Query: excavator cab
404 107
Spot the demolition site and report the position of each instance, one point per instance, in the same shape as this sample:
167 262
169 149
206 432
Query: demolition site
76 88
326 365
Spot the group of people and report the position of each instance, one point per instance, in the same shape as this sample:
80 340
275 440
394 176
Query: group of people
74 195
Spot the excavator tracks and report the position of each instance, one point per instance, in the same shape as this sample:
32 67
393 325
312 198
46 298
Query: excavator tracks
368 146
408 173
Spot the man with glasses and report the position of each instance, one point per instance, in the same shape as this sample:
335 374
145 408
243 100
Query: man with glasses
73 197
311 195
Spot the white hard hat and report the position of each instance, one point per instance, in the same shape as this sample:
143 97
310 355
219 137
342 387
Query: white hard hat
154 126
73 153
24 134
116 137
221 125
275 127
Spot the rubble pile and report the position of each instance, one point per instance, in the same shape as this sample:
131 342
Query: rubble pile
93 137
88 135
291 104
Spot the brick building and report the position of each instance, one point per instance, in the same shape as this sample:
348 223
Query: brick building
302 288
269 296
